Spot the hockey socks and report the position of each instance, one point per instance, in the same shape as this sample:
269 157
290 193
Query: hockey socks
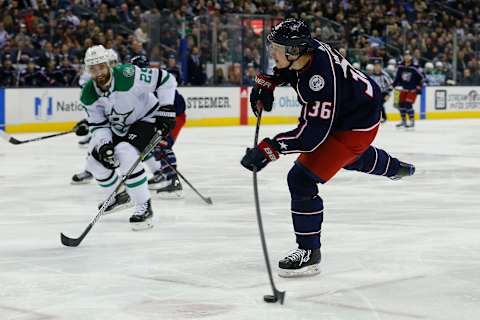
306 208
377 162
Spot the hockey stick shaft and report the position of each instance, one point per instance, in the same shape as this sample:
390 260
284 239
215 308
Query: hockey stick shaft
208 200
73 242
279 295
13 140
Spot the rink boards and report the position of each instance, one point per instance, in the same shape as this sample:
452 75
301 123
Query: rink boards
58 109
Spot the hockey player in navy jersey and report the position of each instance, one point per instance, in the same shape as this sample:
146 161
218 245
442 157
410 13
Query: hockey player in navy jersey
408 80
165 180
339 120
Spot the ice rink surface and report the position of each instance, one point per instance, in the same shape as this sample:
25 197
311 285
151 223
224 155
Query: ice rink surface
405 249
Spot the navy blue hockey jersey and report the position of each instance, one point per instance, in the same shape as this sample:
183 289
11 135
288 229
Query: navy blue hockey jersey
408 77
334 97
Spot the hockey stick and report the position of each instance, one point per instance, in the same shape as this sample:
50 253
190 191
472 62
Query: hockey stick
277 295
208 200
12 140
74 242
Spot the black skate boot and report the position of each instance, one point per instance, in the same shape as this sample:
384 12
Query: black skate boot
142 217
158 181
405 170
173 190
81 178
299 263
403 123
119 202
410 124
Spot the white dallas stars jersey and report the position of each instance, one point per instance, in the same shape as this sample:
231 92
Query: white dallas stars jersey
129 99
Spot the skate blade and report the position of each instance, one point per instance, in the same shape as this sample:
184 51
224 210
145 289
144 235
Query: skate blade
80 182
140 226
120 208
170 195
303 272
159 185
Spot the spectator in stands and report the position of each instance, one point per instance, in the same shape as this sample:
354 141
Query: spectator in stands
249 78
32 76
195 67
8 74
173 68
3 35
468 79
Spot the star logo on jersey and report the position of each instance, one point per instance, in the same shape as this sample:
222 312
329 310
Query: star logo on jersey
283 145
118 121
129 72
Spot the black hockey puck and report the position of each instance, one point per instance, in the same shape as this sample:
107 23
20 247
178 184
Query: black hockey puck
270 298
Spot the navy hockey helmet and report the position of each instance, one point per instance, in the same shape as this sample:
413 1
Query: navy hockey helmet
140 61
294 34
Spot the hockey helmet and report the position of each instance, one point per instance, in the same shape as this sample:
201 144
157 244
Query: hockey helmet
96 55
294 34
140 61
112 56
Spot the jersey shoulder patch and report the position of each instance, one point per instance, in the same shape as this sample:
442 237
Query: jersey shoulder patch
124 77
89 95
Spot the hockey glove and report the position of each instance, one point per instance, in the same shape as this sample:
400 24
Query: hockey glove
165 121
262 93
261 155
81 128
106 155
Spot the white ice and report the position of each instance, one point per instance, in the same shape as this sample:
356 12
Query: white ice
405 249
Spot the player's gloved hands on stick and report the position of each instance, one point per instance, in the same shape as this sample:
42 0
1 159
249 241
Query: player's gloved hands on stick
262 93
106 155
261 155
81 128
166 121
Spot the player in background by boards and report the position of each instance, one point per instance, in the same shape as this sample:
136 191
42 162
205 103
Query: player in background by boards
165 180
383 80
123 114
81 128
408 80
339 120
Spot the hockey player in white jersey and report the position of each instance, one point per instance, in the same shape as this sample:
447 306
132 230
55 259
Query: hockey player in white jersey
81 128
123 115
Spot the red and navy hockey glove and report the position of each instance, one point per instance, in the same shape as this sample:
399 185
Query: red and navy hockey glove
261 155
262 93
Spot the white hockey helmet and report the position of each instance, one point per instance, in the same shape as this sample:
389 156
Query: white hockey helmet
392 61
369 67
391 68
356 65
96 55
428 66
112 55
438 64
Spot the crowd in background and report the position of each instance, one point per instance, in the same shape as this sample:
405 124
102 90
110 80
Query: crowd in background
42 42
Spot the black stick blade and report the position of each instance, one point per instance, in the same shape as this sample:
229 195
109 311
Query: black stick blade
15 141
69 242
72 242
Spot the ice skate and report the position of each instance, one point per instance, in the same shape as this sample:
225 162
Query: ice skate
81 178
405 170
158 181
173 190
300 263
142 217
119 202
402 124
